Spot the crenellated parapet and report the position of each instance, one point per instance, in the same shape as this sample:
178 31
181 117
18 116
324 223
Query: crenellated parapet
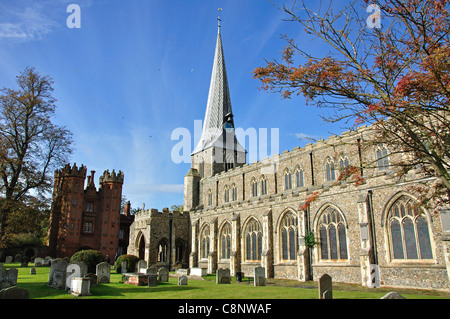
71 171
112 177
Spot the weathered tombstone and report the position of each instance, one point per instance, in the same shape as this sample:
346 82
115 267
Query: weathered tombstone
80 286
8 278
47 261
152 281
18 258
124 267
57 274
38 262
152 271
325 287
239 276
141 266
14 292
75 269
223 276
9 259
392 295
32 271
182 272
103 272
93 278
200 272
163 274
182 280
260 276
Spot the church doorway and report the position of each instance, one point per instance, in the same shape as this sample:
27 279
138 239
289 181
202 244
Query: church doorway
141 248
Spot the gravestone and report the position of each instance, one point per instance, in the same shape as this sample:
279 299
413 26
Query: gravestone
8 278
182 272
9 259
200 272
57 274
124 267
182 280
392 295
152 281
32 271
163 275
93 278
18 258
75 269
325 287
103 272
38 262
260 276
80 286
152 271
142 266
14 292
239 276
47 261
223 276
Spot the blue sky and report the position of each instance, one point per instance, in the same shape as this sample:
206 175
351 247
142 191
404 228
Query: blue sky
137 70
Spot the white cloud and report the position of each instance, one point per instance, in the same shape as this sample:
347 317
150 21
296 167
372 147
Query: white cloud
308 137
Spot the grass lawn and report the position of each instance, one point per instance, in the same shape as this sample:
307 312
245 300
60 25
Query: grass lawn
207 289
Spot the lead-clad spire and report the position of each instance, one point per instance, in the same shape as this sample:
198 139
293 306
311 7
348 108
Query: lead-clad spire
219 102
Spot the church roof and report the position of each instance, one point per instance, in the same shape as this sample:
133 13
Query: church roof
219 103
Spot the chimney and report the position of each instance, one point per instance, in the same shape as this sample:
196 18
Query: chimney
127 209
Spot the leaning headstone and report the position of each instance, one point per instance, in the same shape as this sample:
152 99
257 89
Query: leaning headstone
9 259
142 266
223 276
325 287
392 295
57 274
80 286
260 276
163 274
38 262
14 292
103 272
182 281
32 271
152 281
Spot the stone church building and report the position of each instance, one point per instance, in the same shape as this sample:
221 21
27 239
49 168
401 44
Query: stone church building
293 215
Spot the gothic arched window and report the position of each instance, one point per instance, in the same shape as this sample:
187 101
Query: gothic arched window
299 177
253 241
204 243
209 197
382 157
409 231
287 179
254 187
233 192
333 236
226 194
263 185
225 241
329 166
288 231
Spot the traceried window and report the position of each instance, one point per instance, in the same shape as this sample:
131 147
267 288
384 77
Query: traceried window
204 243
226 194
254 187
233 192
263 185
333 236
253 241
287 179
329 167
225 242
409 231
299 177
289 237
162 251
382 157
343 162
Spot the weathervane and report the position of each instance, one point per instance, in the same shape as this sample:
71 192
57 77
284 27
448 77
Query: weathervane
218 18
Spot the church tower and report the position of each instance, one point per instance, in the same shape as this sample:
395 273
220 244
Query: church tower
218 149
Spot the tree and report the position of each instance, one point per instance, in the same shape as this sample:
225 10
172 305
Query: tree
394 78
31 145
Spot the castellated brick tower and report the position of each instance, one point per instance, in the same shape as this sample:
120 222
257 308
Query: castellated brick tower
83 217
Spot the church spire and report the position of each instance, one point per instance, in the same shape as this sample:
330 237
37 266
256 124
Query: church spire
219 101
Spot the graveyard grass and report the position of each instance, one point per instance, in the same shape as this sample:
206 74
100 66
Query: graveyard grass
206 289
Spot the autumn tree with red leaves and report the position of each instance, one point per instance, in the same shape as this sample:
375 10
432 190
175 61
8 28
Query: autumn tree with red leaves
394 77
